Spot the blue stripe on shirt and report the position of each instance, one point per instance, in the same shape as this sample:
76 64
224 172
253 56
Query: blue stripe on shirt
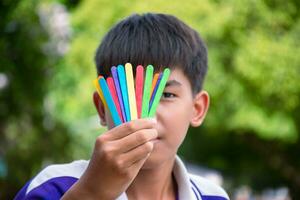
207 197
50 190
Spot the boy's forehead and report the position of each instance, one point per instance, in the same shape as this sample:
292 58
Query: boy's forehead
177 78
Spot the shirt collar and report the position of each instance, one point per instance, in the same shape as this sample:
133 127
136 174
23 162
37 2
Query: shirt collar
185 188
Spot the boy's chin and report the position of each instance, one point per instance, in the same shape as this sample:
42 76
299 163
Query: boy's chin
156 160
151 163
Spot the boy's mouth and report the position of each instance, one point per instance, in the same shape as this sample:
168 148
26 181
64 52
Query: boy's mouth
155 140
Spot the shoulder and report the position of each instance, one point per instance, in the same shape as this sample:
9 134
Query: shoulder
53 181
207 189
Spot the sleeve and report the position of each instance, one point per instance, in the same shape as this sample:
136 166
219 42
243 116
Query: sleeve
53 181
52 189
21 194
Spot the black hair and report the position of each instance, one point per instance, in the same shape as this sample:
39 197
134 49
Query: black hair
157 39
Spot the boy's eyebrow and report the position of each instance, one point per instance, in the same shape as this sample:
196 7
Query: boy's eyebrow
173 83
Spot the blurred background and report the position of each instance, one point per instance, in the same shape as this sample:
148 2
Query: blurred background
249 142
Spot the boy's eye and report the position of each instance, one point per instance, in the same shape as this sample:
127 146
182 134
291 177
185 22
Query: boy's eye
168 95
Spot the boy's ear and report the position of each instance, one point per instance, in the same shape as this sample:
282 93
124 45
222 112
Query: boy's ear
201 104
100 108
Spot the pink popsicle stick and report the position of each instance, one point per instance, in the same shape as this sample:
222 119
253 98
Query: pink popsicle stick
111 86
139 85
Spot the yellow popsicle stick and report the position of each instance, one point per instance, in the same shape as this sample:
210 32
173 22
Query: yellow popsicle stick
96 83
131 91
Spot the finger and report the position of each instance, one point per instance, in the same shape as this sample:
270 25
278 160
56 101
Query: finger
137 154
129 127
135 139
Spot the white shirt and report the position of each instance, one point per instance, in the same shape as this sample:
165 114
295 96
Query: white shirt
55 180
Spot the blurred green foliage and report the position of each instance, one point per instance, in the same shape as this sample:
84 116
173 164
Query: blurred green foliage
251 133
29 136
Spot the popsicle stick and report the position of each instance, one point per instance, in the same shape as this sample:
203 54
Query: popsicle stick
131 91
112 89
159 92
139 85
110 102
119 92
147 90
123 85
154 81
155 89
96 84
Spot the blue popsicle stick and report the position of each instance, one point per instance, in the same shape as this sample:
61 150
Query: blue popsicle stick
110 102
159 92
118 89
155 90
123 84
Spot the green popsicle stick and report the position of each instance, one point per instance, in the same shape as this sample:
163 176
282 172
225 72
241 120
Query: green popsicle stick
159 92
147 91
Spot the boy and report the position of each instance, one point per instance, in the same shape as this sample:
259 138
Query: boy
137 160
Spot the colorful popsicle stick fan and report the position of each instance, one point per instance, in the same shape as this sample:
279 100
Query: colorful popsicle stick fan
127 98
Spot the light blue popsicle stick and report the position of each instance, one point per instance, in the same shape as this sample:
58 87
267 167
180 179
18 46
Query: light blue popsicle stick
110 102
122 81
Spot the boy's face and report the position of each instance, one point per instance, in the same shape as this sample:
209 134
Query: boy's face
177 110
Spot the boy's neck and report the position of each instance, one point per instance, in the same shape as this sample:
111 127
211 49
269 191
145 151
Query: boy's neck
157 183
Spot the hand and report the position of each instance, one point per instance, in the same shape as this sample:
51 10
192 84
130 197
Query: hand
117 158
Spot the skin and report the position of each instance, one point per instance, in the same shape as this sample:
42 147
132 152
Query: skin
138 156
